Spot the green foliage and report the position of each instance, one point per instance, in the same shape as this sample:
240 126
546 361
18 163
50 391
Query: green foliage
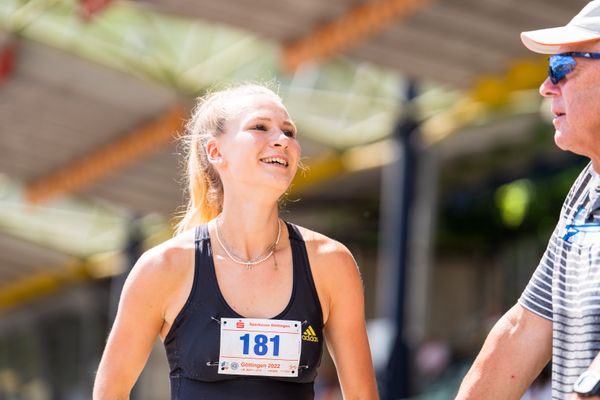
480 219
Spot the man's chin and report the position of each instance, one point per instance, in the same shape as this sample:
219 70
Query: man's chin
560 140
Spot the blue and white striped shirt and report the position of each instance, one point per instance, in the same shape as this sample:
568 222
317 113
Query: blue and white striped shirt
565 288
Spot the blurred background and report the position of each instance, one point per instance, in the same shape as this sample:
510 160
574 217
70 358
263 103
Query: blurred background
429 154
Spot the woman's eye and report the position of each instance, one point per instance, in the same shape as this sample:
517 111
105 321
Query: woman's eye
260 127
289 133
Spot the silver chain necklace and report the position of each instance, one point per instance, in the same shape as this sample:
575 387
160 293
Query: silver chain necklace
248 263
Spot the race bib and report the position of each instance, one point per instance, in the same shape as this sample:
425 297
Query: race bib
264 347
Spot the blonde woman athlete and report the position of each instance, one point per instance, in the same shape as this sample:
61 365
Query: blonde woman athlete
242 300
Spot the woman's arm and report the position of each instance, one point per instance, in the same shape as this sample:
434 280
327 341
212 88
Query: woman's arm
137 324
345 327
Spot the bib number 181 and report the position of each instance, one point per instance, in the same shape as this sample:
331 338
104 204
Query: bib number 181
261 344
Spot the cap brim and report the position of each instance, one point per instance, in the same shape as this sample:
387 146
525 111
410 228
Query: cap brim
549 41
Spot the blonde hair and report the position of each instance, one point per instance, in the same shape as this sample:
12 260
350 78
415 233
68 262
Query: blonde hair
204 186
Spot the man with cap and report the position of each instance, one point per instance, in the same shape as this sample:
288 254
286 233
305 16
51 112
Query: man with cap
558 315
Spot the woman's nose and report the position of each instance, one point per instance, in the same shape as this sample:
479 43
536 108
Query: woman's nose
281 140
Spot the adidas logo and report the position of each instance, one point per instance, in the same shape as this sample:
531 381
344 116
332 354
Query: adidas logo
309 335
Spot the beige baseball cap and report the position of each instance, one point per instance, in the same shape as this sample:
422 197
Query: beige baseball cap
584 27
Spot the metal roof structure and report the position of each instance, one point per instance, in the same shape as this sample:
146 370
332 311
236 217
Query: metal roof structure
90 110
447 41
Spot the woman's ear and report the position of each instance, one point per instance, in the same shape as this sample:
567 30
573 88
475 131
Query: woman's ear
213 152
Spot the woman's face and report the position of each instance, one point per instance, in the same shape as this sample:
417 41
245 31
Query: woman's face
259 147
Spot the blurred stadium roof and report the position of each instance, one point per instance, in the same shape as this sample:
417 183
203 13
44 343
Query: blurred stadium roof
90 100
447 41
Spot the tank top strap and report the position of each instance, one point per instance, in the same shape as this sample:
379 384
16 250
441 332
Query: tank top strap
202 259
199 284
304 281
201 233
294 232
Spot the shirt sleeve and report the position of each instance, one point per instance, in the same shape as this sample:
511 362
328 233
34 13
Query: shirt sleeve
537 296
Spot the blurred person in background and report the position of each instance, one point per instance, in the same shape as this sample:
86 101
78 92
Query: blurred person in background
233 257
558 314
432 359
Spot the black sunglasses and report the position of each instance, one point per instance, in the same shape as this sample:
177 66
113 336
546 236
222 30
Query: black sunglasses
560 65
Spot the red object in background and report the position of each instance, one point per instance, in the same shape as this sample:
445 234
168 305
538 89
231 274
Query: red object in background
88 8
8 54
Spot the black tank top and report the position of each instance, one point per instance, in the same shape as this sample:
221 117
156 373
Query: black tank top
192 344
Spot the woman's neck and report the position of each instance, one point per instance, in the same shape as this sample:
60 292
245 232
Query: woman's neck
248 229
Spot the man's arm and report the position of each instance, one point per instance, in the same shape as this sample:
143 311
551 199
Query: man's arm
514 353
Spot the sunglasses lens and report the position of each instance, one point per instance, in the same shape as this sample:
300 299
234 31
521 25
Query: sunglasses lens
559 66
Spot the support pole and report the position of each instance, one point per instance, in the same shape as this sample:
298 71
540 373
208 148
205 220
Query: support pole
397 201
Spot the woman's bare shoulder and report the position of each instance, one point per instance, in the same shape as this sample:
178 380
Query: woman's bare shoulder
325 250
329 259
166 262
333 267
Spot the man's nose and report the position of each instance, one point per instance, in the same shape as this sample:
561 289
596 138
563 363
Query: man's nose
548 89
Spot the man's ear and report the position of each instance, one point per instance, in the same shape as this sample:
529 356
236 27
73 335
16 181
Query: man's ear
213 152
